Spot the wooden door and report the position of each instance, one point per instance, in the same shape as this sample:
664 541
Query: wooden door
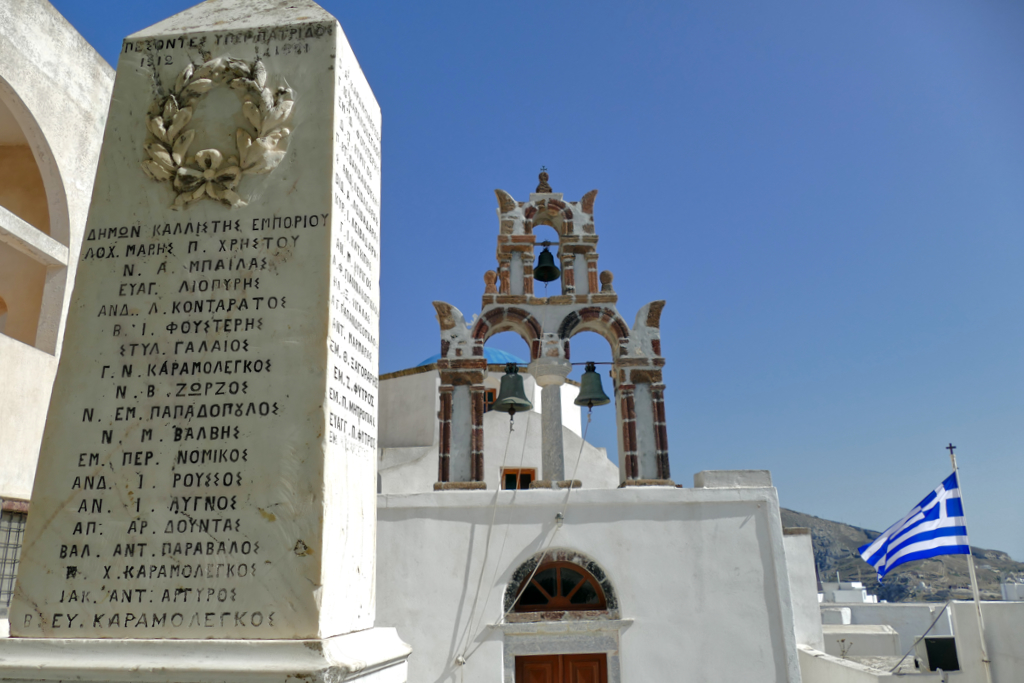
538 669
589 668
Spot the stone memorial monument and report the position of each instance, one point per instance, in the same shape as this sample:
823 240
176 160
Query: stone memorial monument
207 472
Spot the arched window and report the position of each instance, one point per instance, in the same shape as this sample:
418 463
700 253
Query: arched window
560 586
568 592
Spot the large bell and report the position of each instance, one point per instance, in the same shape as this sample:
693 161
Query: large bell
591 392
546 270
511 396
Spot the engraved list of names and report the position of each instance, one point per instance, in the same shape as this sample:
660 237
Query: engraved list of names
207 468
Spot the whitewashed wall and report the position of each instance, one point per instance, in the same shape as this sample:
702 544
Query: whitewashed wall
408 409
818 667
909 619
700 576
803 583
1004 626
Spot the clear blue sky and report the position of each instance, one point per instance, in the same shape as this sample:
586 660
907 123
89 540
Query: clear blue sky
830 196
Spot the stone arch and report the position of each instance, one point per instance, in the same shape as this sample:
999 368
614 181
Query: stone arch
508 319
526 570
32 194
59 221
551 212
605 321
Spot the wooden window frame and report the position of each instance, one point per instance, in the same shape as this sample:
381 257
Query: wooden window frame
518 472
562 667
560 602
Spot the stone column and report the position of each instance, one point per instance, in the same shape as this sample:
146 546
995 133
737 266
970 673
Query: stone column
527 258
592 272
550 374
568 273
445 434
660 430
504 277
627 426
476 447
460 448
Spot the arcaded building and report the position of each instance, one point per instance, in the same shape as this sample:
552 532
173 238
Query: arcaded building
54 93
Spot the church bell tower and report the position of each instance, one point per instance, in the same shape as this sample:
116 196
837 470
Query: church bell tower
587 302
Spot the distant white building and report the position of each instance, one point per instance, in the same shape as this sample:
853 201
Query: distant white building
1012 590
845 591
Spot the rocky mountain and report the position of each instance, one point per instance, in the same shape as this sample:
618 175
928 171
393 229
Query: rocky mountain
934 580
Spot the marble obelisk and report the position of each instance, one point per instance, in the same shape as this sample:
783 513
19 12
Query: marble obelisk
208 464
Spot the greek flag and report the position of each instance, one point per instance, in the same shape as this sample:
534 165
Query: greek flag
934 527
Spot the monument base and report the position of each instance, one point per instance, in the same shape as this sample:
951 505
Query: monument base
376 655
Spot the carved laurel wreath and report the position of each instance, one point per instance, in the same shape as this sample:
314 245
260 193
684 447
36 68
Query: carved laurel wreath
206 174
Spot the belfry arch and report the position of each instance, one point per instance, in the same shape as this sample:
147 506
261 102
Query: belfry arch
509 320
604 321
585 301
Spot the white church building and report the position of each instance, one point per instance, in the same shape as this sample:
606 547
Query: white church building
518 552
583 570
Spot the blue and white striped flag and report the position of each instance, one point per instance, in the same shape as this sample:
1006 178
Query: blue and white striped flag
935 527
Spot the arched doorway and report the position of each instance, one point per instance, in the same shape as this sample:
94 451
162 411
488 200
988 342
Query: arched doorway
562 621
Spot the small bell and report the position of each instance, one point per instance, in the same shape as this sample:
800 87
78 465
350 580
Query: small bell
512 396
546 270
591 392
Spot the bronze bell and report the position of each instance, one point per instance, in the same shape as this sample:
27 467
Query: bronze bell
512 396
591 392
546 270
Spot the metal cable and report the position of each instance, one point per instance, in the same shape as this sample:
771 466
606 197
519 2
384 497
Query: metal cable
526 582
918 640
505 612
565 507
487 545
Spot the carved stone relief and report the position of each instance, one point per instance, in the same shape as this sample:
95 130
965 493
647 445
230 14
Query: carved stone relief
208 173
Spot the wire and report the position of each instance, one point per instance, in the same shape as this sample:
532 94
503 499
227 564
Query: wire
508 524
487 546
576 467
526 583
919 638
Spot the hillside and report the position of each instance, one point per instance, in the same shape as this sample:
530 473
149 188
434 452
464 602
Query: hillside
934 580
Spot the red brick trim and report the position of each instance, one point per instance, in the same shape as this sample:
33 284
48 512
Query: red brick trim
13 505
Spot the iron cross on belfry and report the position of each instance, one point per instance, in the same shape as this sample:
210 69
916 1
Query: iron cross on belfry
951 448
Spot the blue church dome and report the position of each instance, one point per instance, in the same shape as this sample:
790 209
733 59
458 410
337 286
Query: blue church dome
493 356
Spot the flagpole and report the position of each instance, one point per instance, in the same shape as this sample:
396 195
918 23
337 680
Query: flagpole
986 662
